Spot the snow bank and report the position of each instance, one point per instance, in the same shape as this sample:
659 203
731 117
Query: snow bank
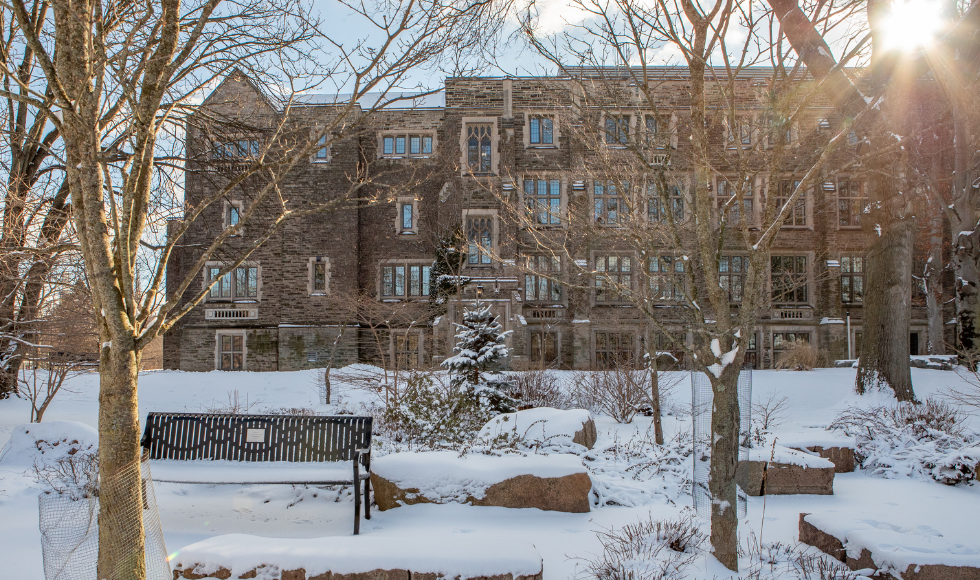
444 474
892 546
448 556
785 455
46 443
542 426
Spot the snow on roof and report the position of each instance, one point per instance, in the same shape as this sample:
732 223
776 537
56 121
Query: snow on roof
435 100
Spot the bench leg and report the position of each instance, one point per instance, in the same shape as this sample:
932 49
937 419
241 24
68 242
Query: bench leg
367 498
357 499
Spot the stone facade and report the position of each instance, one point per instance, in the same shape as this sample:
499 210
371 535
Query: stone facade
288 320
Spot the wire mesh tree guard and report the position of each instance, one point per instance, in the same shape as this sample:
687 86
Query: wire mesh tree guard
69 524
702 397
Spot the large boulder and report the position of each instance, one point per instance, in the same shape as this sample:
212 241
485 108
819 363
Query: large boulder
783 471
543 426
866 541
357 558
547 482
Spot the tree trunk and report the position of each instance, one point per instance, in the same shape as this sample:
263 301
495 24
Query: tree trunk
725 420
965 218
658 428
121 537
888 312
932 279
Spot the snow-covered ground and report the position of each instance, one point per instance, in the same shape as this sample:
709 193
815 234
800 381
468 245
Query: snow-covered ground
624 468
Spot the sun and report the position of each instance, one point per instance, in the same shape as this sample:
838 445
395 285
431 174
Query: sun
911 24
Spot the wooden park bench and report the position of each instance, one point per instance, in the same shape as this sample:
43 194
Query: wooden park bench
213 444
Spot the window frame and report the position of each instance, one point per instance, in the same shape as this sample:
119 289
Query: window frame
605 362
229 205
218 351
804 287
624 128
311 286
534 277
674 278
622 217
540 333
803 202
744 126
464 138
540 116
736 214
862 201
604 272
232 282
486 258
678 185
555 218
408 283
400 205
851 275
326 150
727 260
396 353
407 135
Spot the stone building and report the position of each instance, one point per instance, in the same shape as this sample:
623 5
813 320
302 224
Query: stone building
353 284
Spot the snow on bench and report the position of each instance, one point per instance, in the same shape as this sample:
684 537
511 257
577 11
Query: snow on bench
868 540
549 482
241 472
358 558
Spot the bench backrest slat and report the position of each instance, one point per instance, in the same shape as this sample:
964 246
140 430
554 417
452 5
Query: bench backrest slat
192 436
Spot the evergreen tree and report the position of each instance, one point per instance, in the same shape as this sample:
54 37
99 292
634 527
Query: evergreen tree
447 269
480 344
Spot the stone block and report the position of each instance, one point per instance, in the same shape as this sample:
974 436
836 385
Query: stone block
569 493
834 546
841 457
758 478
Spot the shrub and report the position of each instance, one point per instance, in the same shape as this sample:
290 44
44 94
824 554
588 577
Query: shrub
539 389
620 393
648 550
434 413
907 439
799 356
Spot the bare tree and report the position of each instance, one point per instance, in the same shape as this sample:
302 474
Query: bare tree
673 158
122 81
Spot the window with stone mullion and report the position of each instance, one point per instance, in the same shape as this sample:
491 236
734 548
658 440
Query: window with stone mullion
539 282
543 200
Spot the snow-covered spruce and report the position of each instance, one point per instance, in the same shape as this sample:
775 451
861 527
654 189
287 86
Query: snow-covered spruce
480 344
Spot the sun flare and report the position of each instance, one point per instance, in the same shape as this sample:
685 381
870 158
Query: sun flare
912 24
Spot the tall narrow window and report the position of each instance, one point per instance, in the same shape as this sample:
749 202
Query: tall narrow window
609 201
656 133
479 146
739 133
388 147
479 234
542 131
222 287
319 270
789 279
540 283
731 276
415 144
426 145
851 201
852 279
658 207
407 219
231 352
246 282
322 149
617 130
233 215
797 213
614 278
543 200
